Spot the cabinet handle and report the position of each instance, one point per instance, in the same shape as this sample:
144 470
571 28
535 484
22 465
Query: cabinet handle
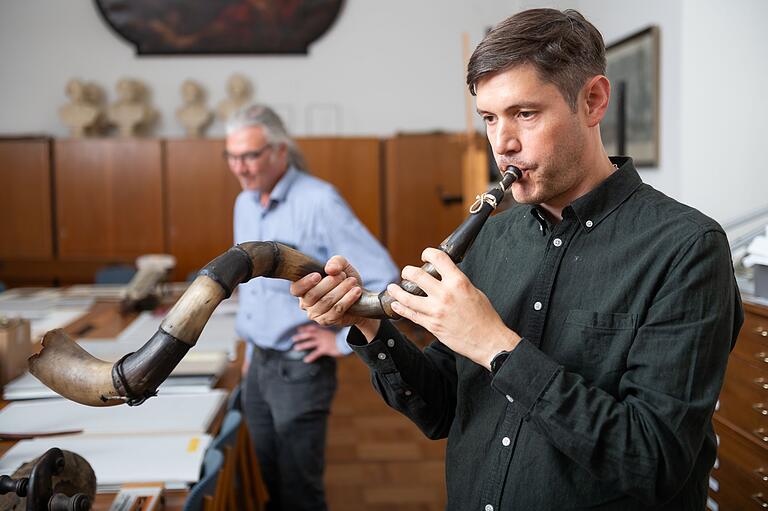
760 408
760 331
760 499
763 356
761 382
761 474
761 434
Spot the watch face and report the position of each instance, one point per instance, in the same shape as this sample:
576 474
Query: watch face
498 360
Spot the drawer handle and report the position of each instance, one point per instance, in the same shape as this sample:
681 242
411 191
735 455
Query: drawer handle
763 356
761 434
761 382
761 474
760 499
760 331
760 408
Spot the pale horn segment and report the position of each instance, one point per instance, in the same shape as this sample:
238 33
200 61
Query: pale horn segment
75 374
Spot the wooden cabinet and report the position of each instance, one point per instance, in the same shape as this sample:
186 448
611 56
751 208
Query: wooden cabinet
354 167
739 480
72 206
25 199
109 199
200 196
423 193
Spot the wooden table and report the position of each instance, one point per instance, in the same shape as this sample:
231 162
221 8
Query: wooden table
104 320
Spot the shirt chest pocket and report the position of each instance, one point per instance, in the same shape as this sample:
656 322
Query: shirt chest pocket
598 344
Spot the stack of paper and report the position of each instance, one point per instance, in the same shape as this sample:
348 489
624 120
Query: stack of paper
162 414
218 335
757 251
173 459
46 308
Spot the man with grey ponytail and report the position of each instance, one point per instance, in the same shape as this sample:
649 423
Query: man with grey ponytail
290 379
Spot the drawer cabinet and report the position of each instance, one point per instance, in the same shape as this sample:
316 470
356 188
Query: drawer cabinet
739 480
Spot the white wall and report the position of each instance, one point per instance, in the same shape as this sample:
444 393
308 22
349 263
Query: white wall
724 106
397 66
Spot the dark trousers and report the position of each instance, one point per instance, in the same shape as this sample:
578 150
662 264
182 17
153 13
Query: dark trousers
286 406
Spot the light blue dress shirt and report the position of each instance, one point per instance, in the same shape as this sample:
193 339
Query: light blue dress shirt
309 215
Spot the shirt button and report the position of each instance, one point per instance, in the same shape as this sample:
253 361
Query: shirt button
506 441
488 507
391 343
557 242
248 316
537 306
408 392
509 398
382 356
589 223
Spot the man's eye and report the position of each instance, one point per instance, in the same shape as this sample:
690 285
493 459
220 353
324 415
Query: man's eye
526 114
488 119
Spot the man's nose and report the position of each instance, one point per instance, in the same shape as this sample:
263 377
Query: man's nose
506 139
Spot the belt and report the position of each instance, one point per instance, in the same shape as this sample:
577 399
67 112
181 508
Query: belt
269 353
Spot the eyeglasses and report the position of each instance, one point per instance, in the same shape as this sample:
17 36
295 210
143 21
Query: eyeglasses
247 158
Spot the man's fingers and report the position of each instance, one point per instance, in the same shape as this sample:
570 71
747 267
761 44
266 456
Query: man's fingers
413 302
304 346
335 314
304 284
441 261
320 290
424 280
311 357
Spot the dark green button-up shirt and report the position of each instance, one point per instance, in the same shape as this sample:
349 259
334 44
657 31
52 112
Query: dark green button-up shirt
628 309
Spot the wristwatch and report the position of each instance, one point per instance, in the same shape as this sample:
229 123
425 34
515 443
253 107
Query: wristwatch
498 361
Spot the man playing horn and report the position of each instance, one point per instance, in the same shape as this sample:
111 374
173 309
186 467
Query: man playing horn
583 341
291 376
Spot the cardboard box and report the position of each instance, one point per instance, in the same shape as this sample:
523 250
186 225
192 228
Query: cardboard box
15 348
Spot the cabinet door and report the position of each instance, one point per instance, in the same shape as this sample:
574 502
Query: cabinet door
109 198
424 193
25 208
353 166
201 196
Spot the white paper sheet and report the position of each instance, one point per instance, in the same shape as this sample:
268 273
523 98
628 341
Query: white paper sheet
173 459
161 414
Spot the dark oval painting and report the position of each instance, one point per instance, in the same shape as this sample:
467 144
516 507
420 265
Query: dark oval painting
219 26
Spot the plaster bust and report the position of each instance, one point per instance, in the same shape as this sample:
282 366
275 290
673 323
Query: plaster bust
130 113
193 114
238 95
80 114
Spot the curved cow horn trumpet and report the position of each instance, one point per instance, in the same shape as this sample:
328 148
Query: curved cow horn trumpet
72 372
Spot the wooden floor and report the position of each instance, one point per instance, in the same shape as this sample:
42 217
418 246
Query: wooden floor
376 459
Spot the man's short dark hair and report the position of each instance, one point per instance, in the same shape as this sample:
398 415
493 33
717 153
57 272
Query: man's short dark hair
563 46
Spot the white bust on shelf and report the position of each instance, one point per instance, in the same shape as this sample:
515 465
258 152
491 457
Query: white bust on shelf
193 114
80 115
238 95
130 113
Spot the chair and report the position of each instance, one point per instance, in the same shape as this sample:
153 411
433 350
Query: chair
235 401
227 442
203 493
115 274
244 487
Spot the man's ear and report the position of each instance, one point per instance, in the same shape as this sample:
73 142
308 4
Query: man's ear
596 94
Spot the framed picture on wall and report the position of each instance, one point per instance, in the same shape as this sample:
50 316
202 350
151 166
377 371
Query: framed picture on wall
196 27
631 124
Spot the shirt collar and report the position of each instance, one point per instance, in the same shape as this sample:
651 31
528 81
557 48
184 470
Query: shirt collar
591 208
594 206
280 191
